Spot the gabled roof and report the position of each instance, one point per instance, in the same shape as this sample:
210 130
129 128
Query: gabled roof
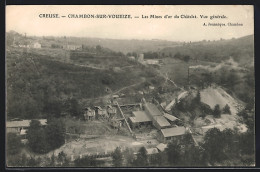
140 116
23 123
170 117
175 131
154 111
161 121
88 108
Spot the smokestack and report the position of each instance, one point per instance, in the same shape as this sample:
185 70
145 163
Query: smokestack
188 75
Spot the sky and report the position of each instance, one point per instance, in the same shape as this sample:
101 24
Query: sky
25 19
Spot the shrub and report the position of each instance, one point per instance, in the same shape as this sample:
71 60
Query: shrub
226 109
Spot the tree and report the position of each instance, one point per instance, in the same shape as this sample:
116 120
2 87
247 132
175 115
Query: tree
217 111
117 157
98 48
87 161
55 134
193 156
142 159
247 143
197 98
226 109
177 55
62 159
32 162
214 145
186 58
74 107
208 78
19 160
128 155
229 140
36 137
13 144
173 153
53 108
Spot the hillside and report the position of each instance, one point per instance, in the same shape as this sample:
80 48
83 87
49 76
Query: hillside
118 45
240 49
39 84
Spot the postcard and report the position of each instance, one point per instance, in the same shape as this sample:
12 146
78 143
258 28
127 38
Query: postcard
143 86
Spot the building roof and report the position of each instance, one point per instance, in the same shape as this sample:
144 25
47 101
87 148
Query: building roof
161 147
170 117
115 96
88 109
140 116
154 111
175 131
161 121
23 123
151 151
98 107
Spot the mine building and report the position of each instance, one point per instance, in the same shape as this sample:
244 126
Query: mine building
139 119
175 134
158 120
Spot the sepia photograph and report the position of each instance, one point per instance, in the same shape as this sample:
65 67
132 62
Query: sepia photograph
141 86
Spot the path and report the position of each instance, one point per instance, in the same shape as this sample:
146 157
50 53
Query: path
117 91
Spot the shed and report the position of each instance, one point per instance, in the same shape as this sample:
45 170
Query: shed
161 147
151 151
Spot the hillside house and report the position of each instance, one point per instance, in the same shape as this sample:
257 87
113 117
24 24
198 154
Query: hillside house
111 111
171 134
20 127
116 123
89 114
101 113
131 57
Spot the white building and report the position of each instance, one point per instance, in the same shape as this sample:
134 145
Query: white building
37 45
152 61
